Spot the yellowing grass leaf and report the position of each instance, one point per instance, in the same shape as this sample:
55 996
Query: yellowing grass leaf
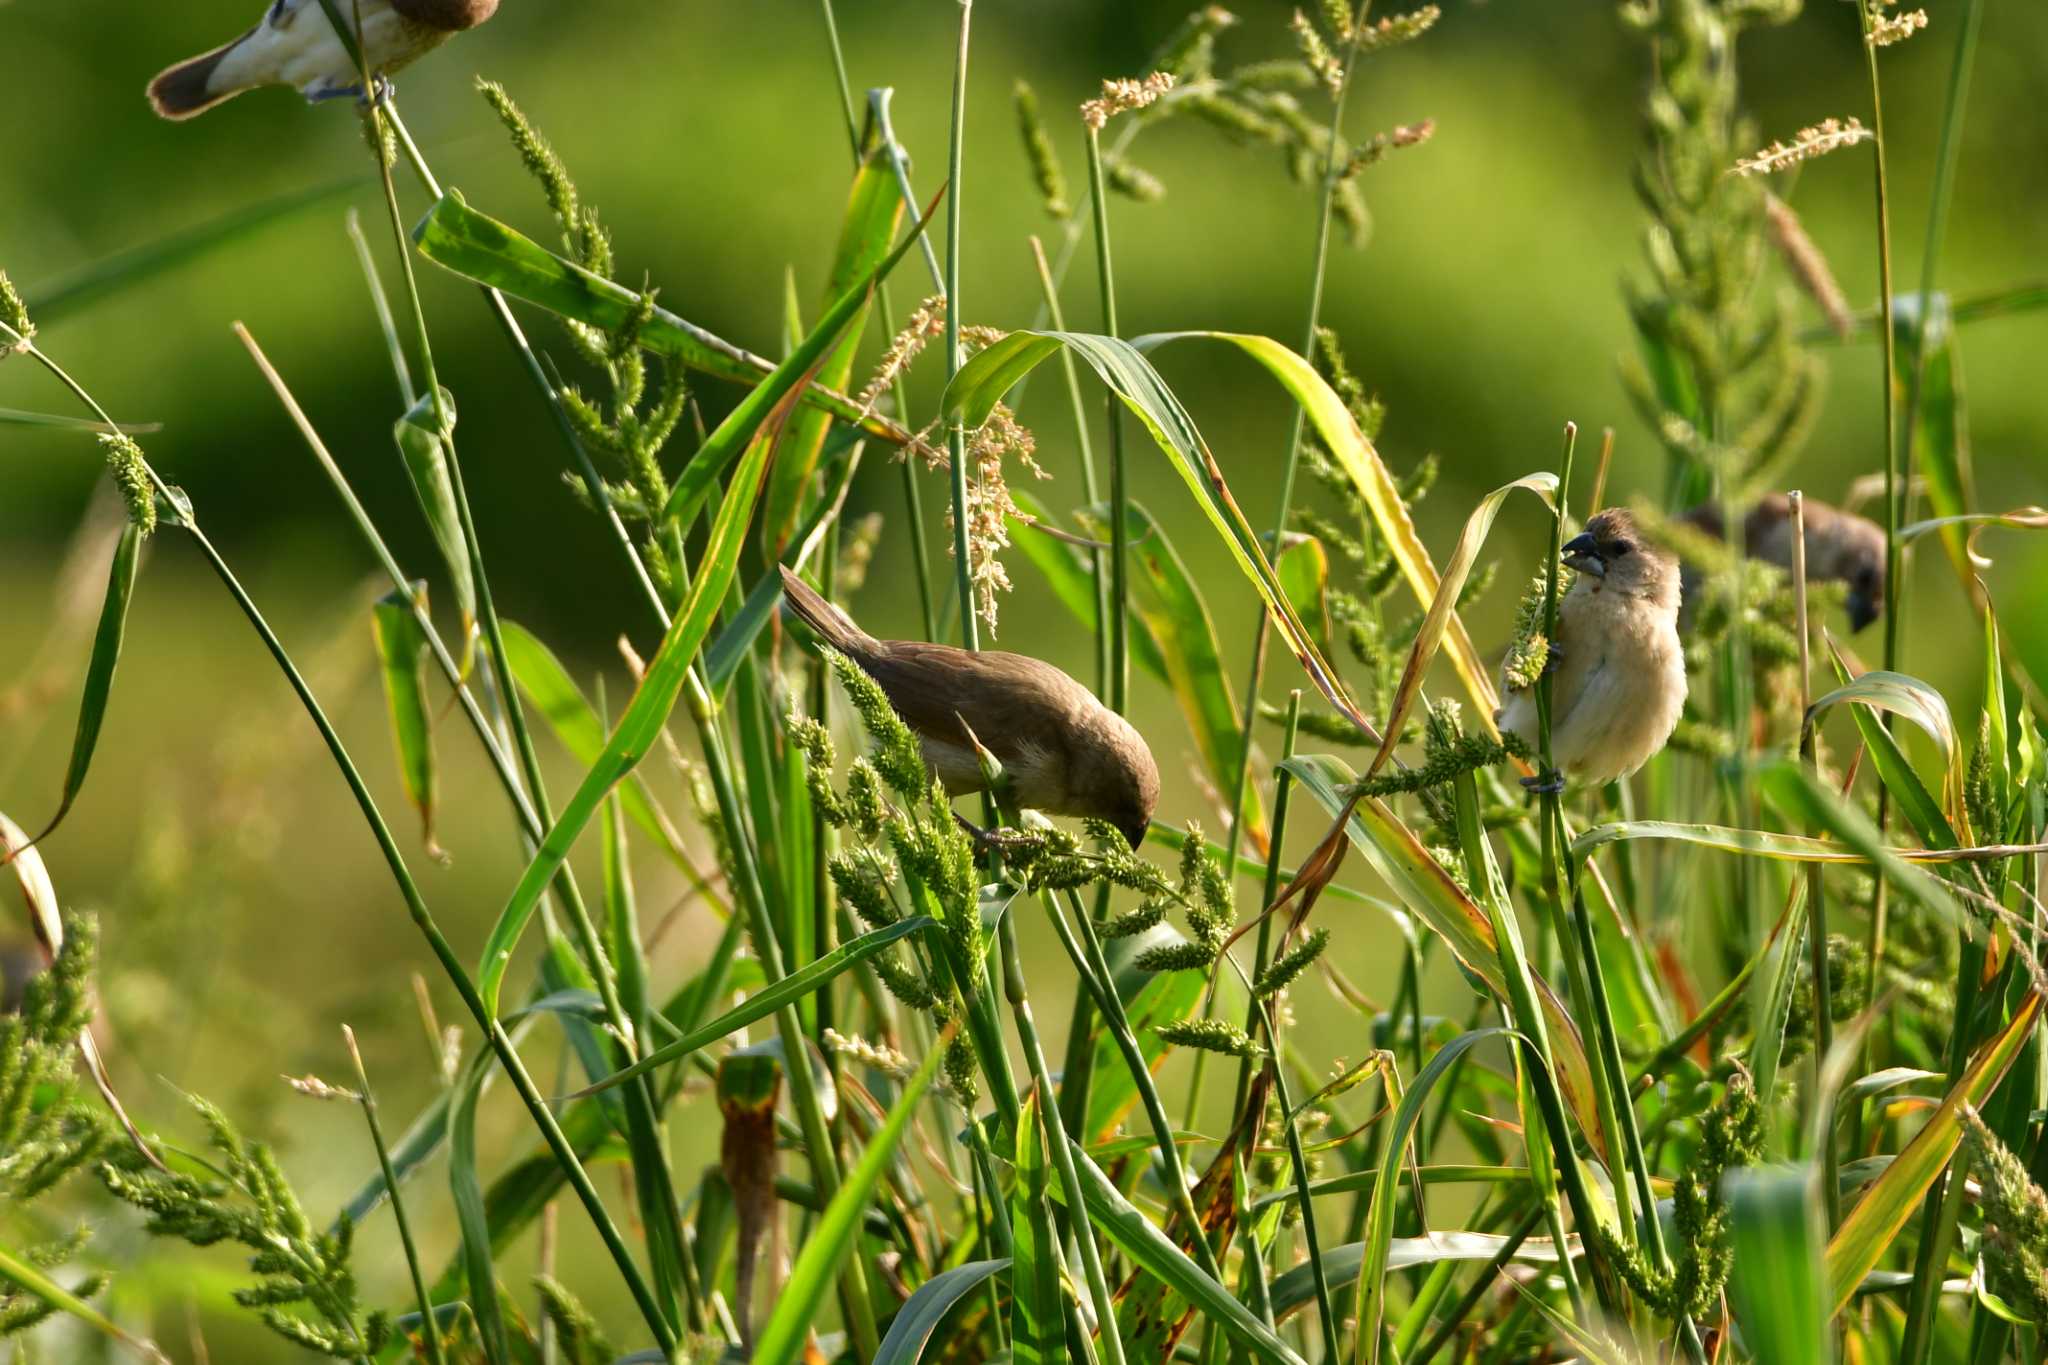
1358 458
975 390
1869 1228
1304 568
1443 606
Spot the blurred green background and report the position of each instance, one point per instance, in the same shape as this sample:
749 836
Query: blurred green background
246 913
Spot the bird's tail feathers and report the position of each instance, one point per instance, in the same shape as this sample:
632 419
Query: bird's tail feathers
831 625
186 90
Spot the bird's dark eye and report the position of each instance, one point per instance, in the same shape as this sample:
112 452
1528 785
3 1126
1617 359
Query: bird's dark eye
1619 548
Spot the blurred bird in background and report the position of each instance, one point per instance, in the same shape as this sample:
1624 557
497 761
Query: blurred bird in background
1616 666
1063 752
1841 547
295 45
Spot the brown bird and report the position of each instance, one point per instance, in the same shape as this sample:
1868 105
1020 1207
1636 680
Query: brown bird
1062 751
295 45
1617 668
1841 547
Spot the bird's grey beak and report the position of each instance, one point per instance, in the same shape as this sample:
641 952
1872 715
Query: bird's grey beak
1581 554
1862 610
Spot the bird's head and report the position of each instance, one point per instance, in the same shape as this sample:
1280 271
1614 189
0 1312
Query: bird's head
1850 548
1126 780
1613 551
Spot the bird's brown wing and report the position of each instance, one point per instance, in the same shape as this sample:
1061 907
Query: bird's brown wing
1008 700
446 16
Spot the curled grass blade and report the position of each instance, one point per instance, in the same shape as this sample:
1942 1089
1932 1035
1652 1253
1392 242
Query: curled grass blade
874 210
782 1337
1915 701
1294 1291
424 447
99 671
1037 1326
1170 604
921 1315
1304 568
1429 636
401 658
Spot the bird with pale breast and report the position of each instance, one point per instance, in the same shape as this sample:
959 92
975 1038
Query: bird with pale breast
1616 666
295 45
1063 752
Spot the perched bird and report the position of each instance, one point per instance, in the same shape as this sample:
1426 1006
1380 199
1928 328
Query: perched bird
1841 547
1062 751
1617 668
295 45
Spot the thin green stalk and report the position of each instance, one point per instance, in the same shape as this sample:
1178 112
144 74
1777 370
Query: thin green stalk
1090 487
956 434
416 905
368 1101
913 497
1326 1315
1094 971
662 1207
1118 620
1099 1294
1262 956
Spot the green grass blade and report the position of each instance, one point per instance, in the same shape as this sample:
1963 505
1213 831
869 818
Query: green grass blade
973 392
482 249
1941 427
1776 1280
1919 703
922 1314
99 670
640 727
1890 1200
874 210
426 462
16 417
27 1276
1156 1254
790 381
1151 1000
1795 790
547 684
1429 636
782 1337
479 1267
1038 1334
1386 1188
401 658
761 1004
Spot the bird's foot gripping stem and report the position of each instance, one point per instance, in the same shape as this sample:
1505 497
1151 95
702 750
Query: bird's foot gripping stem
1548 783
